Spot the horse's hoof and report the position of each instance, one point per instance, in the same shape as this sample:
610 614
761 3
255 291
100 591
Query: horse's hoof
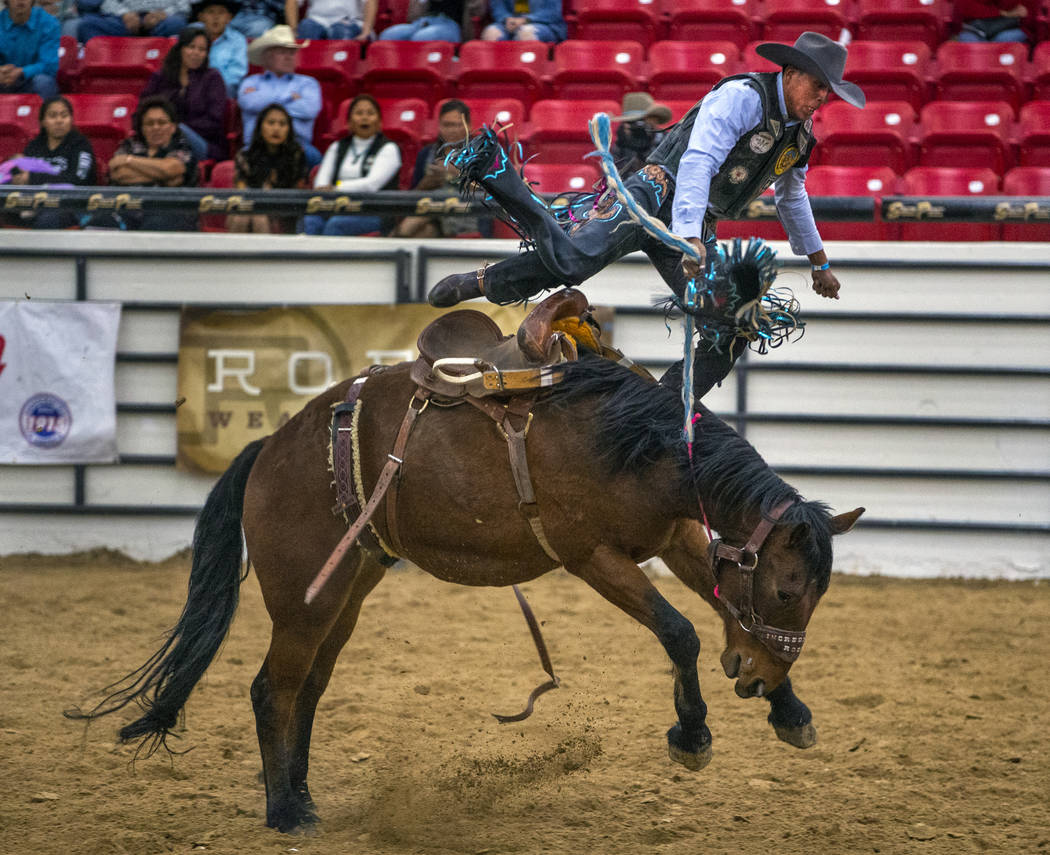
803 736
694 762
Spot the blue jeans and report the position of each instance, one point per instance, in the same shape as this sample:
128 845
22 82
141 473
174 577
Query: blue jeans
311 29
341 224
43 85
113 25
251 24
430 28
196 141
1015 34
544 33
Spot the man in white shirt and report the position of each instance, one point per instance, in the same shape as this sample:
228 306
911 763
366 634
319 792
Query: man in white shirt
751 131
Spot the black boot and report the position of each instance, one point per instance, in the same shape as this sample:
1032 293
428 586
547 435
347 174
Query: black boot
457 288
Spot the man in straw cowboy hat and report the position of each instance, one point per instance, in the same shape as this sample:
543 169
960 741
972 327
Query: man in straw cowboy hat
277 52
751 131
641 119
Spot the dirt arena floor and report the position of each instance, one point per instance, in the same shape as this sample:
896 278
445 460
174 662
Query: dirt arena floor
931 700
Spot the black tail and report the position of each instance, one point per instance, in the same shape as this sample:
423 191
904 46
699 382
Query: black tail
163 684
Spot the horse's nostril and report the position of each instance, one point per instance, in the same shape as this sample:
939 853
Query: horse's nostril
731 665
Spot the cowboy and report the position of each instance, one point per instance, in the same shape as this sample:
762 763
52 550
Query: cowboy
751 131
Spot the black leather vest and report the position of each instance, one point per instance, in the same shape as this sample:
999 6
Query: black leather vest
759 157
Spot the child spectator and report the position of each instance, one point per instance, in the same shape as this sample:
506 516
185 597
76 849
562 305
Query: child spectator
67 150
525 20
275 50
364 161
29 40
135 18
435 21
155 155
274 159
197 92
228 53
333 19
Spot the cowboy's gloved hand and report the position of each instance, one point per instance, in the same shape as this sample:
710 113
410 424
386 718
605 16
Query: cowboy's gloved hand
826 284
694 267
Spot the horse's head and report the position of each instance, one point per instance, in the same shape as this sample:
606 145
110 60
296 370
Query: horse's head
768 590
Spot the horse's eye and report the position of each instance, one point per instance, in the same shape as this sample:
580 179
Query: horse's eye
785 596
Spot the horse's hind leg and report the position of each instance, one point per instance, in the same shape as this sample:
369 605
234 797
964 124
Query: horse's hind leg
368 576
791 719
613 575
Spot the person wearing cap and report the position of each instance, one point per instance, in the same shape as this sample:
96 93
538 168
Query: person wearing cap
276 51
751 131
639 132
228 53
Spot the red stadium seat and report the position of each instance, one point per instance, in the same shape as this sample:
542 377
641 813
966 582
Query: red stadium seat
890 71
750 59
882 133
221 177
505 112
558 129
596 69
610 20
390 12
21 110
981 72
334 63
105 120
971 133
1039 72
68 63
13 139
902 20
932 181
1033 134
683 70
1027 181
502 70
784 20
408 70
562 177
874 181
679 106
120 65
713 20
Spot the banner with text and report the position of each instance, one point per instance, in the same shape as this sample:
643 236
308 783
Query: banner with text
244 374
57 398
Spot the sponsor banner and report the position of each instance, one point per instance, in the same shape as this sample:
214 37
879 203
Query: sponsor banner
244 374
57 398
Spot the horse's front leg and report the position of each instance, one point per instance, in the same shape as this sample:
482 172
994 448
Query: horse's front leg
617 578
791 719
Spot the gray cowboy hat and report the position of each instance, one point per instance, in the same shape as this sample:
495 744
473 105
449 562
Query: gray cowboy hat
817 55
640 105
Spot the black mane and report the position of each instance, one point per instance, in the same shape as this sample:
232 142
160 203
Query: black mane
637 422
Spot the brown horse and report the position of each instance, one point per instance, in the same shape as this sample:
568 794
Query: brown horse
614 486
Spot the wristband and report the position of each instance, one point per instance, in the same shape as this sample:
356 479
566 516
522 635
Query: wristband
825 266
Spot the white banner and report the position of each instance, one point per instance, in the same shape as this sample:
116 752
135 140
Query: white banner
57 398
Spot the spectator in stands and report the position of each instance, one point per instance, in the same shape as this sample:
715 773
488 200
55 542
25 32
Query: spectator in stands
29 39
228 53
525 20
364 161
136 18
68 151
639 132
749 132
431 173
436 21
333 19
993 21
273 160
257 16
275 50
67 12
157 154
197 92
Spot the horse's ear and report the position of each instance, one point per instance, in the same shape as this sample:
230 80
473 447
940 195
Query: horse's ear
844 522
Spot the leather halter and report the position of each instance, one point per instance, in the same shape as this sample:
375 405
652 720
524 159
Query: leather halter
785 644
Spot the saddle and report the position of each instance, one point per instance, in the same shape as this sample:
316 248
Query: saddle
465 354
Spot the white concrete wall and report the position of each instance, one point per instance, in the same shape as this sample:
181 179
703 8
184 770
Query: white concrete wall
294 269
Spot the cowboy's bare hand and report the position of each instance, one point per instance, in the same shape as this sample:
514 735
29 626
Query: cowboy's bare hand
694 267
826 284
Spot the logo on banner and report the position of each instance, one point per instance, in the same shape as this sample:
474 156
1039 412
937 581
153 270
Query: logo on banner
45 420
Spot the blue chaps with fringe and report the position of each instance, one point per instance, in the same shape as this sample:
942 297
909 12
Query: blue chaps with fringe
571 253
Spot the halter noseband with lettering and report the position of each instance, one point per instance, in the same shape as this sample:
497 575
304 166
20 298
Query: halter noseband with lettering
785 644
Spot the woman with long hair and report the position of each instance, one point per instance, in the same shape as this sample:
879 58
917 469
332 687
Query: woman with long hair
363 161
60 144
197 92
272 160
